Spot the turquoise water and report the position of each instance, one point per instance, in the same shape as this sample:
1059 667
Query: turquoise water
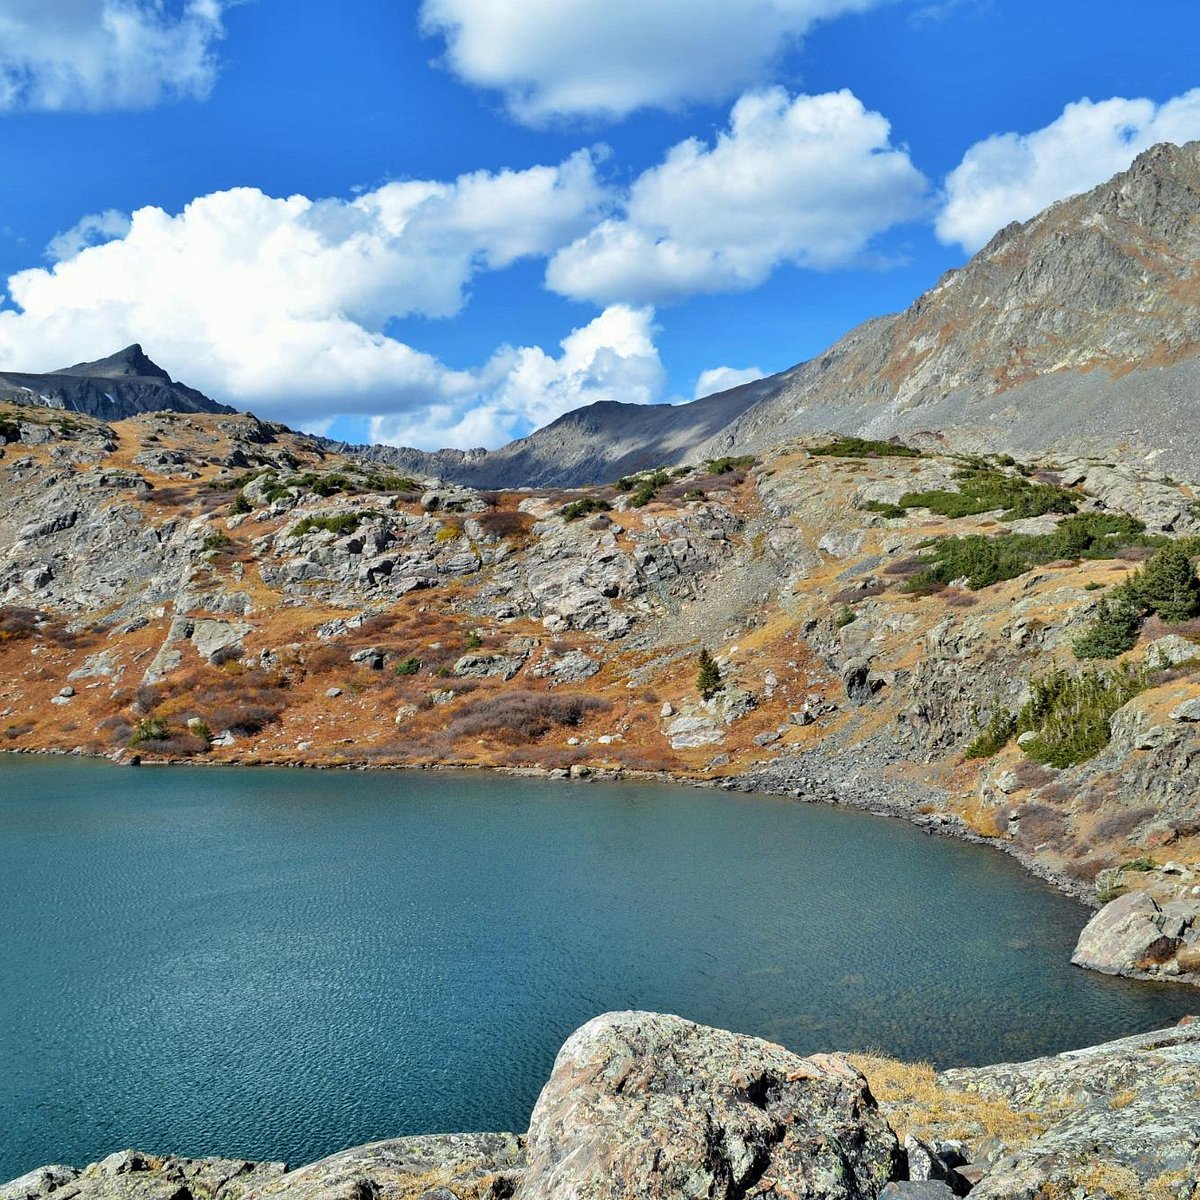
282 963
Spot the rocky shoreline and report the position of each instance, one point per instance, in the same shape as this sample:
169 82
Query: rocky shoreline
650 1105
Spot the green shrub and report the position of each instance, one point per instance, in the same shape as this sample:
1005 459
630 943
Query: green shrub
986 489
984 560
884 509
240 505
339 525
236 482
1168 584
389 483
844 618
856 447
473 641
994 736
708 677
1114 630
1072 713
1144 863
722 466
216 540
407 666
582 507
151 729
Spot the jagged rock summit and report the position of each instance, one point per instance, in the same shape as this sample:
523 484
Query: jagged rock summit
123 385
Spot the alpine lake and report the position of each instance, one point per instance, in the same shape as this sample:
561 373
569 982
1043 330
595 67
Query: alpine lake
282 963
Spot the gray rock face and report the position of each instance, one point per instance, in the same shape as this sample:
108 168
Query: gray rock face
645 1105
131 1175
1127 1115
465 1166
480 666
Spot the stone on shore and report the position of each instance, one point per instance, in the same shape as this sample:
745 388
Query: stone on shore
1135 935
653 1106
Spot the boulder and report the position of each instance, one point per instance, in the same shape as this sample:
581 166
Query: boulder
482 665
653 1106
1189 710
858 680
1123 1112
1170 651
686 732
1130 933
573 666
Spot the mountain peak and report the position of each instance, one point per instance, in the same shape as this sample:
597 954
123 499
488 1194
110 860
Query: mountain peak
130 362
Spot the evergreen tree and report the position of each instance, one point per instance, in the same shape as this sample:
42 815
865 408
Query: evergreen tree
1114 630
1168 586
708 679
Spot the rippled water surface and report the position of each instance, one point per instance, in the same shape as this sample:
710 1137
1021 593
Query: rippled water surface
282 963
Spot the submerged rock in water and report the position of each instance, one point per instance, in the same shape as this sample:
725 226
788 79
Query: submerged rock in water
641 1104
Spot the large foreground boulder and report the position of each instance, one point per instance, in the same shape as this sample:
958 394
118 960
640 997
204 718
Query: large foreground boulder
652 1106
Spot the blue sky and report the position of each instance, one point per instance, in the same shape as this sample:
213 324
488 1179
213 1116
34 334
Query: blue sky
447 222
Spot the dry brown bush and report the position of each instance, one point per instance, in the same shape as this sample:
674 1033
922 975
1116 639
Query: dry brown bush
959 599
1119 826
178 745
326 658
1039 824
505 523
905 567
241 718
1032 774
17 622
1085 869
117 730
523 715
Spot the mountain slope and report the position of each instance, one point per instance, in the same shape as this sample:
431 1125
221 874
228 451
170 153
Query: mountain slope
123 385
1076 332
589 445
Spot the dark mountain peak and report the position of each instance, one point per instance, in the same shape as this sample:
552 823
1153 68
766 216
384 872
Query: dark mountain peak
111 389
130 362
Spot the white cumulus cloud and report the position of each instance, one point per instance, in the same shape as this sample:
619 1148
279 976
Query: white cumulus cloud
90 55
613 357
552 58
281 303
721 379
1012 177
807 180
